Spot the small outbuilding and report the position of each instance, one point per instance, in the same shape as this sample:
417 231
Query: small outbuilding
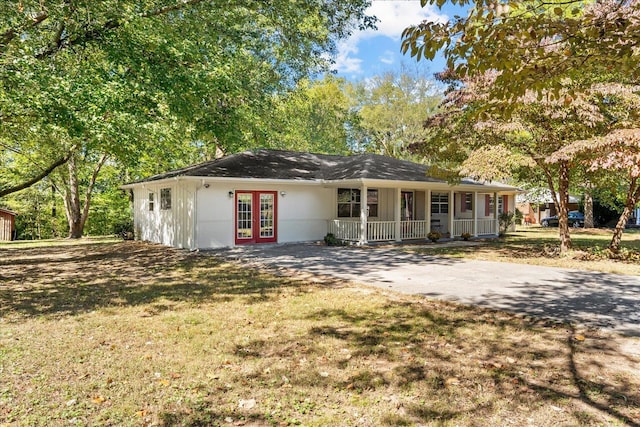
275 196
7 224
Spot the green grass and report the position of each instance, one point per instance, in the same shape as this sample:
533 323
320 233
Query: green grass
137 334
536 245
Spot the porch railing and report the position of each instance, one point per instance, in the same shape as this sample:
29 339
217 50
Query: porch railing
487 227
345 230
379 231
414 229
461 226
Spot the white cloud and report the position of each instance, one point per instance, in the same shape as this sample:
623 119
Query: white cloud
394 17
388 57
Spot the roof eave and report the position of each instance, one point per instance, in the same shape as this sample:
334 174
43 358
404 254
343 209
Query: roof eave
203 179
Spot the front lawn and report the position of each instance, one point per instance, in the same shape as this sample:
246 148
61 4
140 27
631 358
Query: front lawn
137 334
539 246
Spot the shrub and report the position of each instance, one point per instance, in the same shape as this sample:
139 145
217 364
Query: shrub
331 240
465 236
505 219
124 229
434 236
517 217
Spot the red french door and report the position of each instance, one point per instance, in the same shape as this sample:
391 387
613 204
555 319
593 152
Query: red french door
256 217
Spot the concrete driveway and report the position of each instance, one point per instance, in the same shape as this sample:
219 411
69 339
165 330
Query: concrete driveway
592 299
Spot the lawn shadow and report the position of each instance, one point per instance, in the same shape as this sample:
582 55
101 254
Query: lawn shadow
426 349
67 280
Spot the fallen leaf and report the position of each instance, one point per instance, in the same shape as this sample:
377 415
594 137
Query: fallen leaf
98 399
141 413
579 337
164 382
324 374
174 375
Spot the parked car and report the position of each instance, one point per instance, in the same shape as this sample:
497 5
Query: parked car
576 219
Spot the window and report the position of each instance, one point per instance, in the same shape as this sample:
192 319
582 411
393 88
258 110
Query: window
467 202
372 203
151 201
500 205
349 203
439 203
165 198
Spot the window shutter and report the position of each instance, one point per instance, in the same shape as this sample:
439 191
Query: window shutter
505 204
487 202
463 202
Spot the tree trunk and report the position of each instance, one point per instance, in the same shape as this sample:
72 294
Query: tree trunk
563 212
72 201
588 209
632 199
77 214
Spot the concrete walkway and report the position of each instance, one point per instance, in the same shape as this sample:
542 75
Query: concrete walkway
592 299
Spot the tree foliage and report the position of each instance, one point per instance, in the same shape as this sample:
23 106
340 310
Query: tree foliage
315 117
392 108
541 74
535 44
490 145
137 82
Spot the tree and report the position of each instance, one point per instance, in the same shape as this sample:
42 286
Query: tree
556 52
490 145
203 63
315 117
120 78
392 108
617 154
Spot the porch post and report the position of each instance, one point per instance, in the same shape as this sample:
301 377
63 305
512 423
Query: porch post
363 214
397 213
495 213
427 209
452 214
475 213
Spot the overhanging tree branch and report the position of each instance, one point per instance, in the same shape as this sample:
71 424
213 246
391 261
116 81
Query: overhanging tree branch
98 31
37 178
8 36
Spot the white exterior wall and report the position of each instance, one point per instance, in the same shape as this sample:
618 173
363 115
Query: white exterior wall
214 217
386 204
171 227
202 213
302 213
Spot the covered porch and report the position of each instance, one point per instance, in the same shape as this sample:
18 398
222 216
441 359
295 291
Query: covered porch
400 214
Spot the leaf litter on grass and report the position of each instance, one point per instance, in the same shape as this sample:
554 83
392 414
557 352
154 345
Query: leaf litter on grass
171 338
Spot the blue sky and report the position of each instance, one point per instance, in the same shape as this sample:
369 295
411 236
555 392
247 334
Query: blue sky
367 53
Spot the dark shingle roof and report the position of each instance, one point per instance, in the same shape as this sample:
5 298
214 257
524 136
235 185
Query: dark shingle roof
293 165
